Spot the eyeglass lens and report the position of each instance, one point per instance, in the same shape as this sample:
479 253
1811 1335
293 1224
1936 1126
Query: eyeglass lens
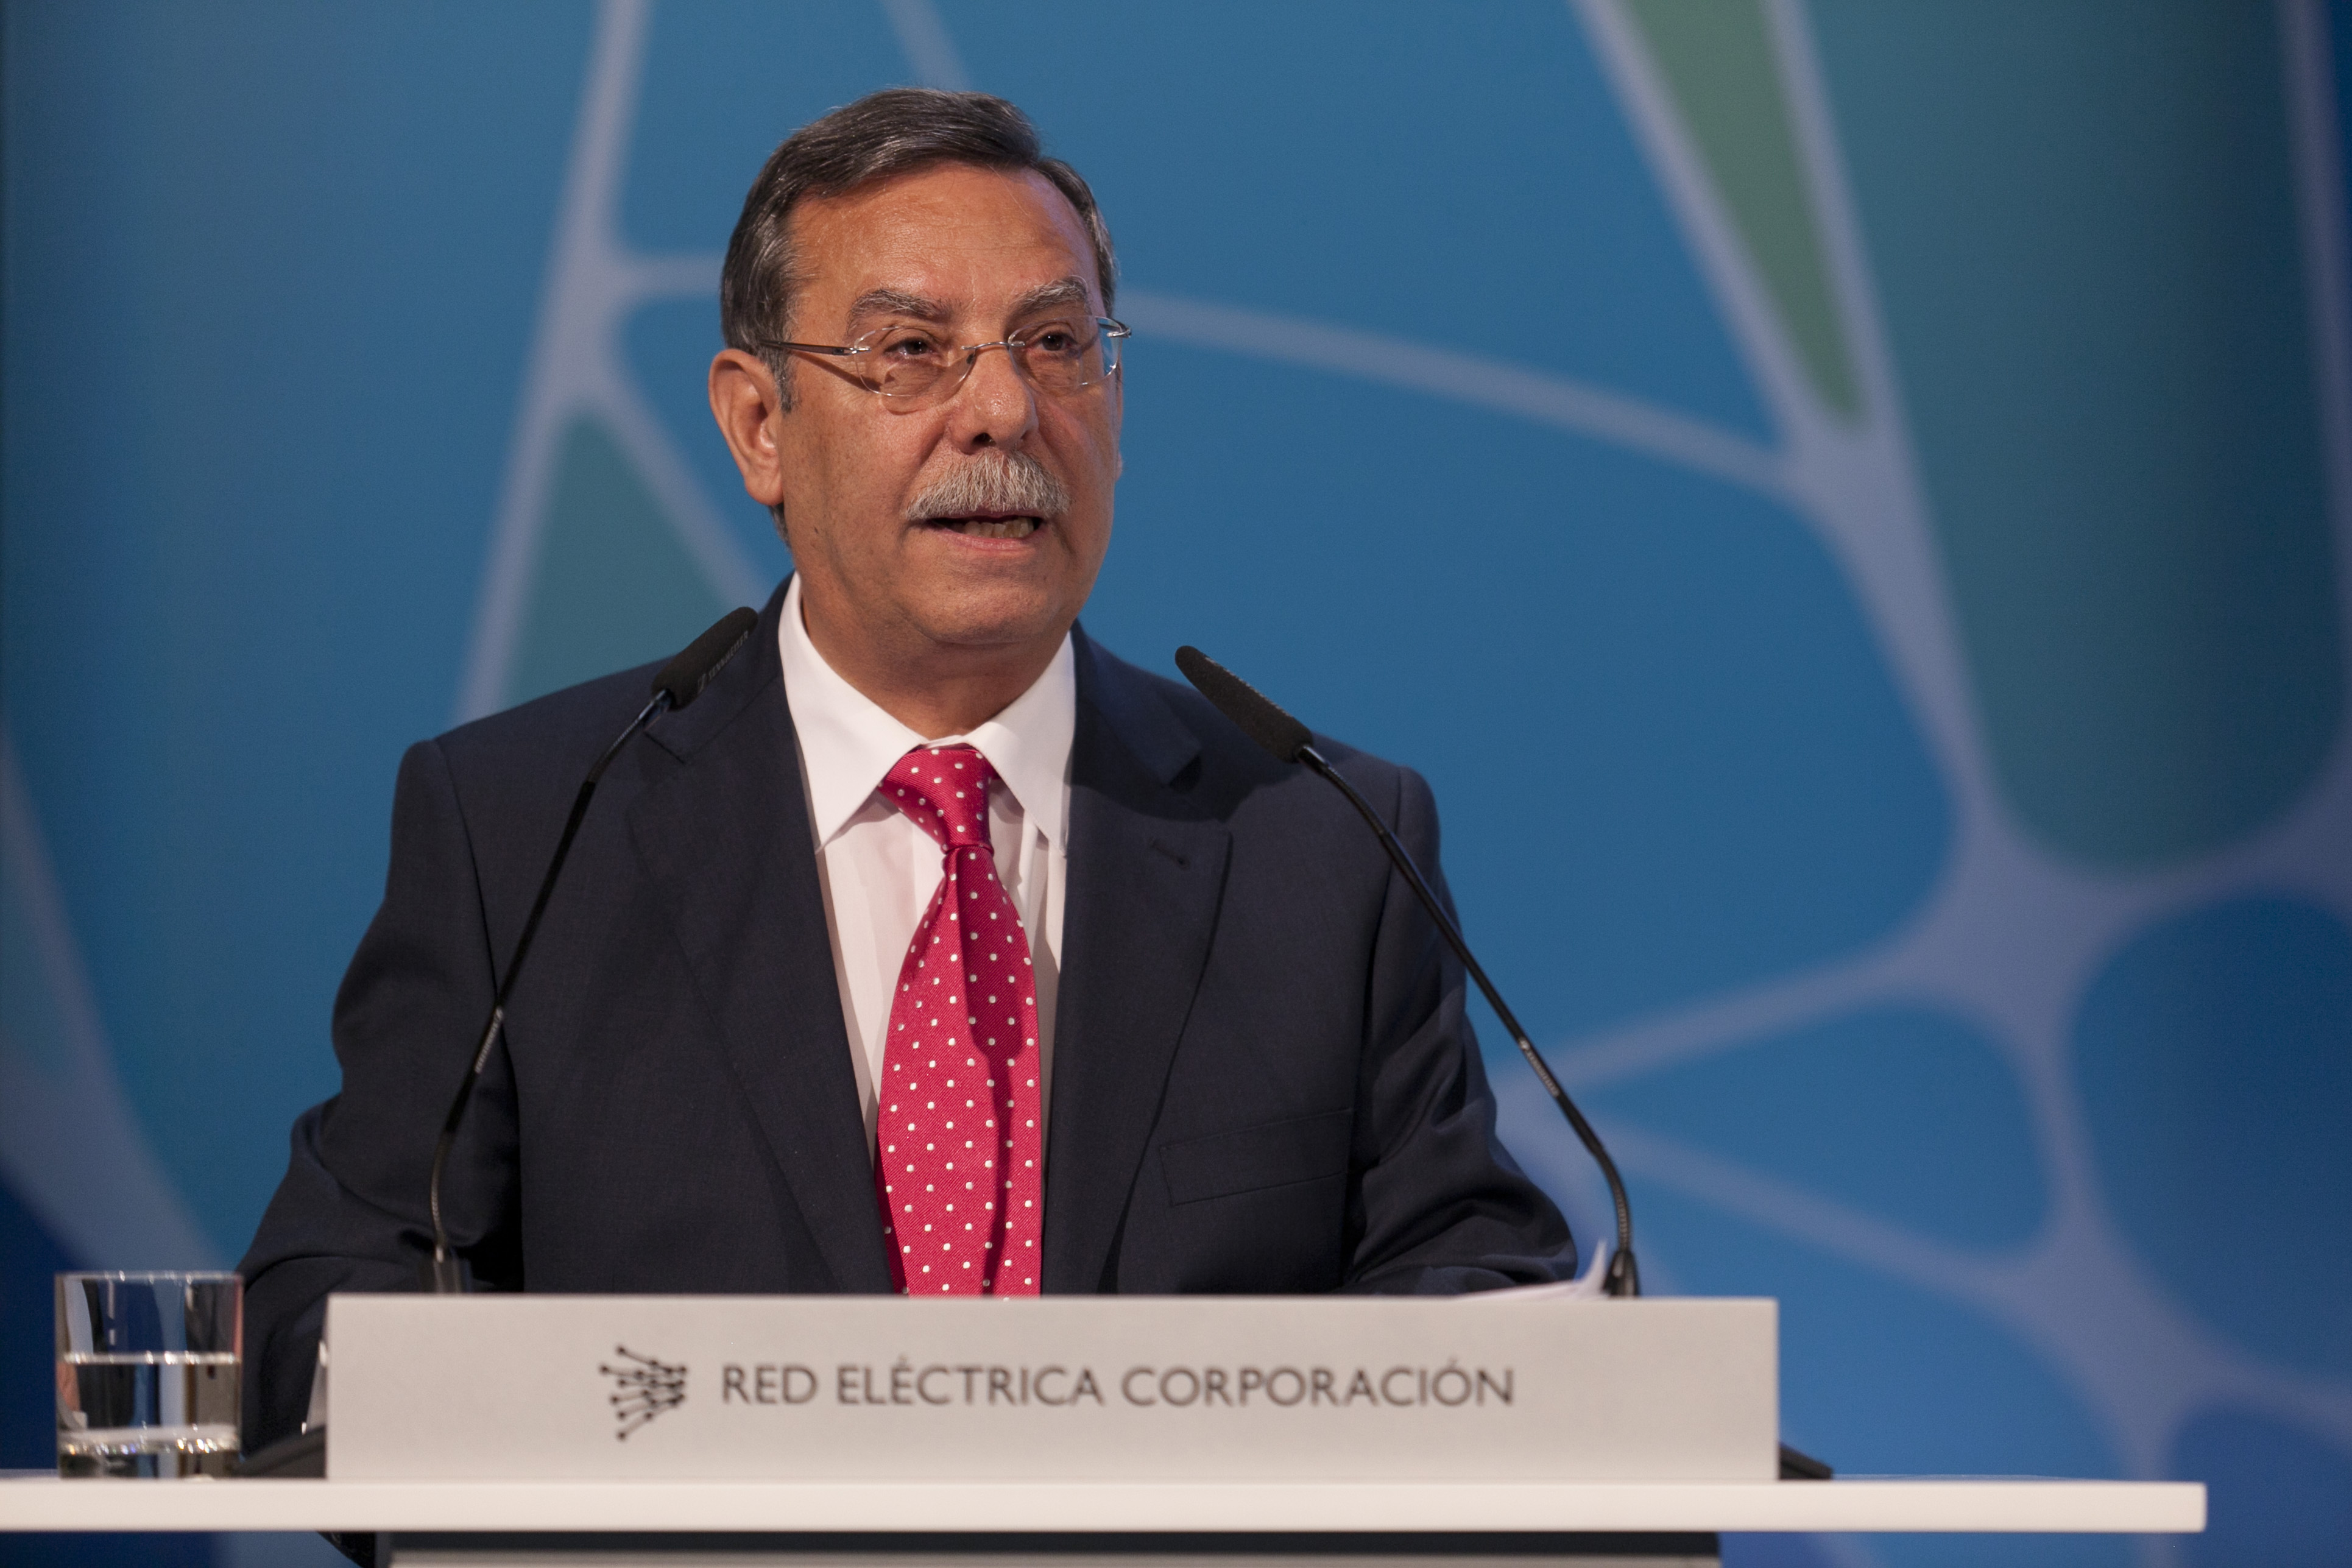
913 363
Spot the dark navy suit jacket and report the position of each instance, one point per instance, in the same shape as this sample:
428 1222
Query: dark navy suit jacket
1264 1080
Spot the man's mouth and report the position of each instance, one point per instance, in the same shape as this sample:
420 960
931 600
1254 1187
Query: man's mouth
990 527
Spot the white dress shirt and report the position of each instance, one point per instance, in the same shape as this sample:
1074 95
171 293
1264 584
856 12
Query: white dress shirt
879 870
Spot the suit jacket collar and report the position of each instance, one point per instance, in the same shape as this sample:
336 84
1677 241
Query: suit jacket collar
1146 873
724 831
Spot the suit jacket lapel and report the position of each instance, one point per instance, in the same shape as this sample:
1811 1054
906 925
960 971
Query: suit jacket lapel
724 831
1147 871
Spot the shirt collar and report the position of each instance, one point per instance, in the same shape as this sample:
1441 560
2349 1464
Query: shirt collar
848 743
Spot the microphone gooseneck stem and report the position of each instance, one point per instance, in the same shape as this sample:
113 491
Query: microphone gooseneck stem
1624 1276
445 1276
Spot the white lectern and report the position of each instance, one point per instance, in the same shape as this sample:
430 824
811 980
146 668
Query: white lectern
886 1432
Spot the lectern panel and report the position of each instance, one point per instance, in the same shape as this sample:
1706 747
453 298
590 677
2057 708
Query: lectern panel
890 1389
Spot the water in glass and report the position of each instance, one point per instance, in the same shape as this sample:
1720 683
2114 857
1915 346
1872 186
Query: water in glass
148 1374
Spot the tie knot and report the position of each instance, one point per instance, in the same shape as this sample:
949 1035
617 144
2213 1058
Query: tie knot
944 791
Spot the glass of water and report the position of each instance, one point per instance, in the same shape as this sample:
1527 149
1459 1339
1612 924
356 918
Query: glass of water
147 1373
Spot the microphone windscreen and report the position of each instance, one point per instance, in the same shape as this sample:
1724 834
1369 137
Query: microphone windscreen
684 675
1245 705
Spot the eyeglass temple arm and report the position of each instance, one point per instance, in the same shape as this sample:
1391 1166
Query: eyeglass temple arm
834 349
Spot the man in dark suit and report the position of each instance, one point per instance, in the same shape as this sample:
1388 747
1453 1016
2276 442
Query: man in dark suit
1232 1053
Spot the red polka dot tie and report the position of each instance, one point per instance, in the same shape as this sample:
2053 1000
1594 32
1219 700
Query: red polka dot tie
958 1145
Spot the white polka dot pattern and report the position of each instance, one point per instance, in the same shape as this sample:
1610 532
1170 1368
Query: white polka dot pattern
956 1145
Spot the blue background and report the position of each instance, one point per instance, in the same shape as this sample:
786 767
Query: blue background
1885 467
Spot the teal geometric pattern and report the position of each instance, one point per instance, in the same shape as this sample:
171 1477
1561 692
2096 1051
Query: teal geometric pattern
2095 281
2214 1058
1881 1106
1889 467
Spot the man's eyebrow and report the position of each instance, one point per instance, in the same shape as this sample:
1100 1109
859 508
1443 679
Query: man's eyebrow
896 302
1051 296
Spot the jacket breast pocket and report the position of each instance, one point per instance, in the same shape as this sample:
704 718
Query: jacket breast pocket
1271 1155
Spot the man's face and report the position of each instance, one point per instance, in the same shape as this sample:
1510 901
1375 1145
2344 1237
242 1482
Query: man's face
975 255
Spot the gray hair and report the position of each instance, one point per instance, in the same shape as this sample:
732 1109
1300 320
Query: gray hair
894 132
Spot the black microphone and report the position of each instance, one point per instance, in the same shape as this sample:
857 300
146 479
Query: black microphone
1257 717
679 683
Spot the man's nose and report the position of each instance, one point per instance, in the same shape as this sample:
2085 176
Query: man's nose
996 407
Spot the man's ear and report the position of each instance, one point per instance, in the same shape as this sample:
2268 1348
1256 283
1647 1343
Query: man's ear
743 399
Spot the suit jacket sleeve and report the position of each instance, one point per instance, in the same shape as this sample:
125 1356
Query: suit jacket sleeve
1437 1204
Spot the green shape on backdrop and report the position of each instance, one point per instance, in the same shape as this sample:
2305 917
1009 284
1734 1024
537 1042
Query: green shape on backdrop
615 586
2083 223
1717 59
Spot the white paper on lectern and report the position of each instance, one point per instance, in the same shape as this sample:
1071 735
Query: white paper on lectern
1585 1286
1054 1388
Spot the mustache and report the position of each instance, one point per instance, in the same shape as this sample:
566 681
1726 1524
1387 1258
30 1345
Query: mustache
1006 483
